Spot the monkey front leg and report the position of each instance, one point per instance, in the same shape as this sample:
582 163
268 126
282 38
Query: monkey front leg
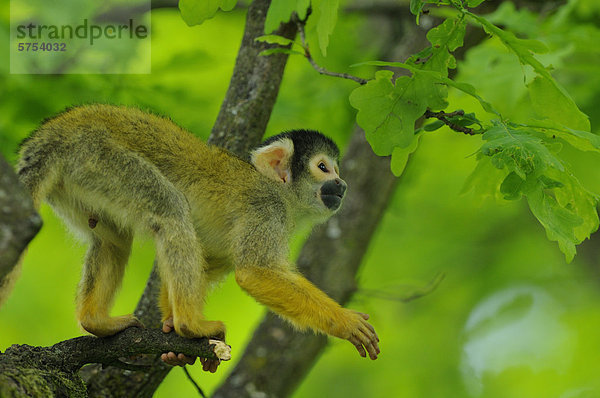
295 298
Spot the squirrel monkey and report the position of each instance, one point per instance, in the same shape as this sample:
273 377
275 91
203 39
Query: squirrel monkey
111 171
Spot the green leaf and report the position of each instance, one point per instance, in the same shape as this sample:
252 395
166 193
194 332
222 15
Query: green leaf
194 12
512 186
561 204
275 39
279 50
375 104
416 6
400 156
559 222
444 38
549 101
485 180
544 90
582 140
387 111
518 150
464 87
474 3
469 89
434 126
550 183
228 5
573 196
302 8
326 13
279 11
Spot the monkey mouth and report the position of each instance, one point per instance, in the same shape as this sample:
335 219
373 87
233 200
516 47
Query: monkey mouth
332 201
332 192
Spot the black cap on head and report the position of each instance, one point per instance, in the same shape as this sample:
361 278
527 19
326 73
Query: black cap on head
306 144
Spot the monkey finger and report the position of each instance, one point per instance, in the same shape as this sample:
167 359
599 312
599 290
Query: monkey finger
358 346
170 359
186 360
365 316
210 365
371 328
369 333
168 325
370 344
215 365
173 359
205 364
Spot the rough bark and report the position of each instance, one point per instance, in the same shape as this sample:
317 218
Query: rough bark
19 222
254 86
52 371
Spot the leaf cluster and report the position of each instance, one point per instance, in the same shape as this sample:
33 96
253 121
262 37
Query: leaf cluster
526 156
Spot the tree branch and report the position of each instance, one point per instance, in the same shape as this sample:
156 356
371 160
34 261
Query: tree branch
63 359
19 223
443 116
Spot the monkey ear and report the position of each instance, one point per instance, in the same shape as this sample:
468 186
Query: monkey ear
274 160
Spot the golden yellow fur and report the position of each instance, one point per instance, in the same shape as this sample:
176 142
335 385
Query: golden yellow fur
110 172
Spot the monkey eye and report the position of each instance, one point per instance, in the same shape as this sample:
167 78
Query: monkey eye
323 168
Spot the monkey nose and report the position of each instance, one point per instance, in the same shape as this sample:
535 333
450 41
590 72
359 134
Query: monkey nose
342 185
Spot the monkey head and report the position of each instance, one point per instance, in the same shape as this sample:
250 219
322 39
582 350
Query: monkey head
306 163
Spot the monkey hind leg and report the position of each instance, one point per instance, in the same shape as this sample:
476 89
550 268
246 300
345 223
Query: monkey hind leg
102 274
182 298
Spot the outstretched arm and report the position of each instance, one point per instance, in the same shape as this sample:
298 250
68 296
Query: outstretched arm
296 299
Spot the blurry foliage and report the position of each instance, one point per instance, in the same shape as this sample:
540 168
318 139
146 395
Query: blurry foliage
503 277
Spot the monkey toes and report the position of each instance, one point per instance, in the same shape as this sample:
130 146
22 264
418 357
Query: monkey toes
201 329
180 359
107 326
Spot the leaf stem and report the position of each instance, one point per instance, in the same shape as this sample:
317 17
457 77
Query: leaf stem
443 116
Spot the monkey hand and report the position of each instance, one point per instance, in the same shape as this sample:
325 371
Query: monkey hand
173 359
355 328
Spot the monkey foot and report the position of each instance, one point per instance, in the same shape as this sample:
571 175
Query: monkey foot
179 359
107 326
201 329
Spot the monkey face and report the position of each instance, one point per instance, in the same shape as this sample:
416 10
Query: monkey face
330 187
305 162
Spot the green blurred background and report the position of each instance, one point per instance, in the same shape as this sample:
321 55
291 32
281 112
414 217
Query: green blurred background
510 319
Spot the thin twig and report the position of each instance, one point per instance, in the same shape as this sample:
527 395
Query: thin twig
411 292
191 379
443 116
319 68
